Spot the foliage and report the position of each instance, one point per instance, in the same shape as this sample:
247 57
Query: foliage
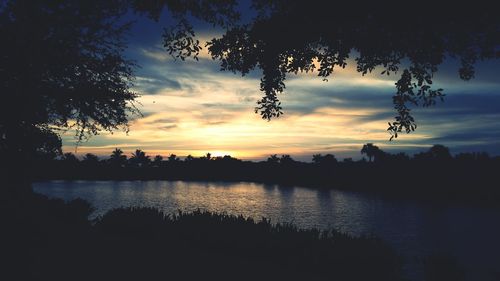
157 161
90 160
370 150
63 67
327 159
117 158
69 158
433 174
144 243
309 251
179 40
173 158
288 37
139 158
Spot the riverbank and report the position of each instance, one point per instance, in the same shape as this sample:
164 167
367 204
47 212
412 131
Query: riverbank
48 239
436 181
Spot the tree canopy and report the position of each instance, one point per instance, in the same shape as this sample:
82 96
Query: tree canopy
301 36
62 67
62 62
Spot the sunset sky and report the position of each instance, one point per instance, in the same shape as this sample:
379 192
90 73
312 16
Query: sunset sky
193 108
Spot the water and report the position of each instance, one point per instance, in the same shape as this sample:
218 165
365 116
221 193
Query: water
471 234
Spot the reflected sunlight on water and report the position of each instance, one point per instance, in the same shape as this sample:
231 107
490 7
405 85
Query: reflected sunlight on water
413 229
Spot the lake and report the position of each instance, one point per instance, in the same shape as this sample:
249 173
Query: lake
470 234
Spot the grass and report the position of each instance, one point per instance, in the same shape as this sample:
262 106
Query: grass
47 239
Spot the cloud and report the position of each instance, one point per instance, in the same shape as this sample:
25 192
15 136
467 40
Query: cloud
157 54
153 84
168 127
192 108
211 123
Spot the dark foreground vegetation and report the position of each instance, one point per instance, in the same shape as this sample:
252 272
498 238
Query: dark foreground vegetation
431 175
47 239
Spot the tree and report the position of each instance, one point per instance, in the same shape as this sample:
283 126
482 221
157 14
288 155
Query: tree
157 161
370 150
439 152
139 158
474 156
90 160
317 158
207 156
326 160
117 158
273 159
173 158
286 160
188 158
287 37
69 158
347 160
228 159
399 157
62 67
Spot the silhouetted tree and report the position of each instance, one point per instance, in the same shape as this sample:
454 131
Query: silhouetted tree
139 158
157 161
62 67
286 160
90 160
69 158
468 156
117 158
44 145
291 36
465 156
370 150
273 159
439 152
347 160
399 157
173 158
227 159
327 159
207 156
188 158
482 156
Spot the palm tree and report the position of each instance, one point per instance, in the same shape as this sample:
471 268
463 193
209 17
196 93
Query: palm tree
139 158
117 158
370 150
90 160
273 159
328 159
157 161
286 159
173 158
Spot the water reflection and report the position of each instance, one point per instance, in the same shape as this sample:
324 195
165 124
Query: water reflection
413 229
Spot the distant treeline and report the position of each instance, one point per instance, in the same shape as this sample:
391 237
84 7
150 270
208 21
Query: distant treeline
433 172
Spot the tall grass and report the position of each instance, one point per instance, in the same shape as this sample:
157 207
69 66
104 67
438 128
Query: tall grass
286 250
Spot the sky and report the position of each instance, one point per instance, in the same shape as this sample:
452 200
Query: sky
191 107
